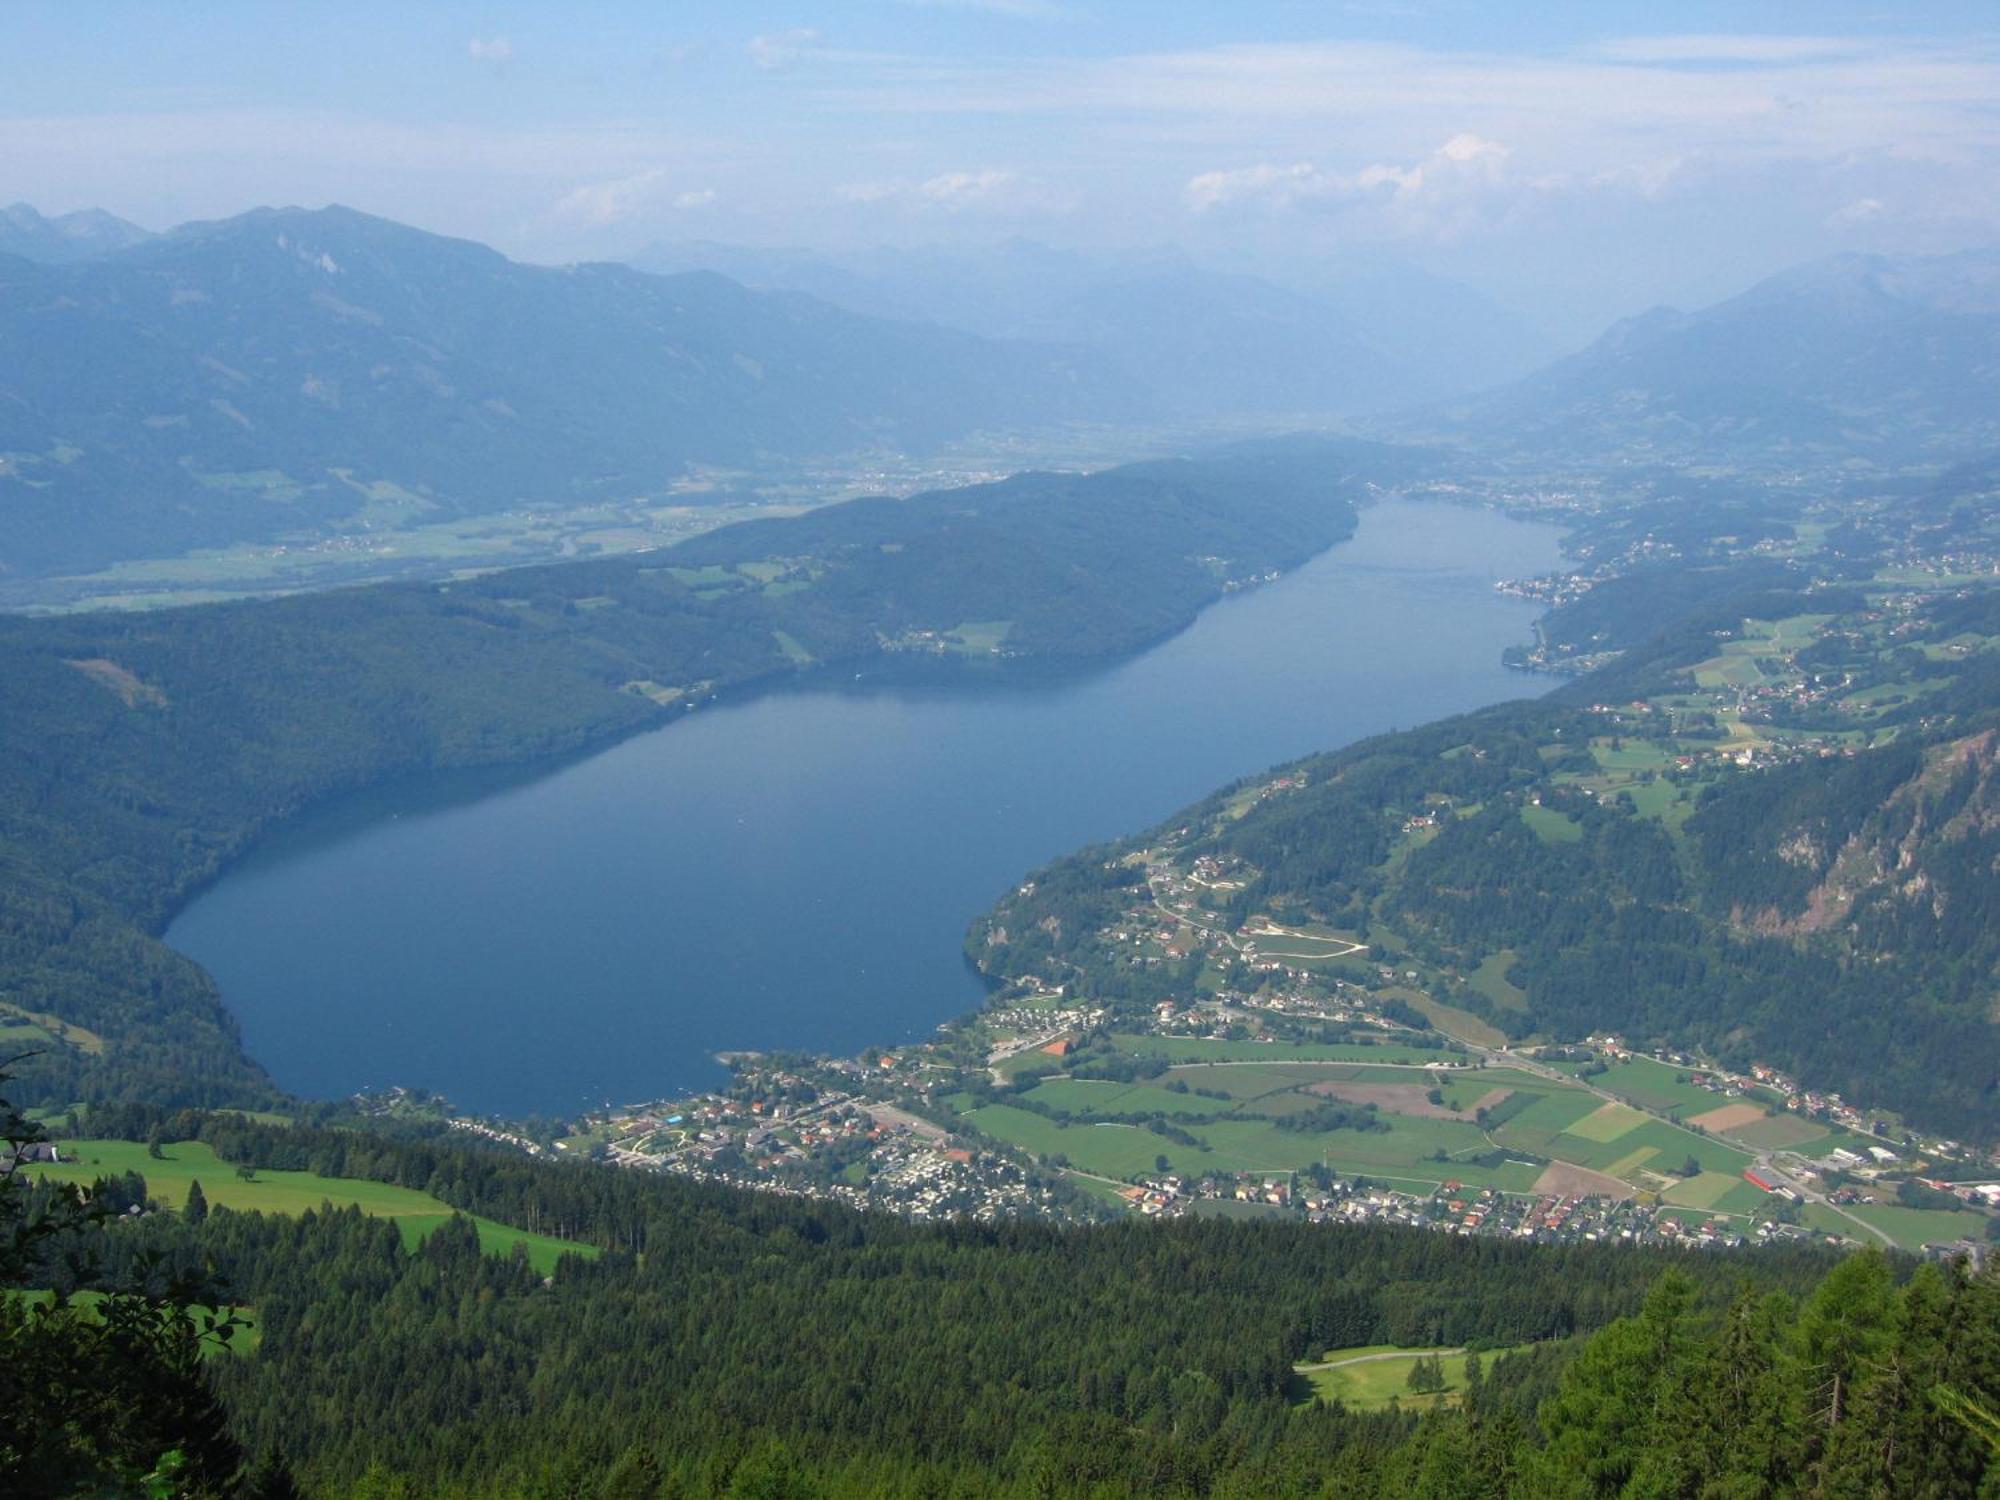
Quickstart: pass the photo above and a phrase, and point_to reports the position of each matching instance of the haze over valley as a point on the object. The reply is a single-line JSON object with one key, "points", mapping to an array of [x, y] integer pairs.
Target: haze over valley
{"points": [[1013, 747]]}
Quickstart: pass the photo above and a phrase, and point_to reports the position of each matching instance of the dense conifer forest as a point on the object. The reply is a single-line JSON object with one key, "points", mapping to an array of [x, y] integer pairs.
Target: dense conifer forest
{"points": [[731, 1344]]}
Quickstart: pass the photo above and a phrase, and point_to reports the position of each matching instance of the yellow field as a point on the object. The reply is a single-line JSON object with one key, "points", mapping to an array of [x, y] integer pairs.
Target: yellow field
{"points": [[1608, 1122]]}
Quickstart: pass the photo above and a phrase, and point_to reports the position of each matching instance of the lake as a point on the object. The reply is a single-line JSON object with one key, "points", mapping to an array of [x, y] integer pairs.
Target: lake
{"points": [[798, 868]]}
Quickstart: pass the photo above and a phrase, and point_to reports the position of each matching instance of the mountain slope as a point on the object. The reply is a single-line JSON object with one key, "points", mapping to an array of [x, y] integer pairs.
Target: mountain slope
{"points": [[1889, 358], [284, 371], [1832, 914]]}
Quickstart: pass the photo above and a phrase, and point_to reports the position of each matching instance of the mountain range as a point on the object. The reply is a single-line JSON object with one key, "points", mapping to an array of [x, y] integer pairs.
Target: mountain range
{"points": [[291, 374], [1895, 359], [1207, 343], [283, 372], [67, 237]]}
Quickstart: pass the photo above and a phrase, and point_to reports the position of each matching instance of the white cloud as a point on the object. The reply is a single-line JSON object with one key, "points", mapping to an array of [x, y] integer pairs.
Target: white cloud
{"points": [[1457, 185], [1860, 211], [598, 204], [1027, 10], [1263, 183], [989, 190], [1713, 49], [780, 49], [494, 50]]}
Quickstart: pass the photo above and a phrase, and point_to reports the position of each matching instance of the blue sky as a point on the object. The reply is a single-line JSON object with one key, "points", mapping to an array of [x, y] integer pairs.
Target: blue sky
{"points": [[1578, 160]]}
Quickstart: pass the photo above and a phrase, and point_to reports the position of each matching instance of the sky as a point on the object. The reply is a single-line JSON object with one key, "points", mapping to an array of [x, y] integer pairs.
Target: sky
{"points": [[1576, 161]]}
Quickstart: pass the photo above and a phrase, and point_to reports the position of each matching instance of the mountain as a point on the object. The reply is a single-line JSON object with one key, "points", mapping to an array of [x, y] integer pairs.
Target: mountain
{"points": [[1210, 343], [289, 372], [1889, 358], [1829, 913], [67, 237]]}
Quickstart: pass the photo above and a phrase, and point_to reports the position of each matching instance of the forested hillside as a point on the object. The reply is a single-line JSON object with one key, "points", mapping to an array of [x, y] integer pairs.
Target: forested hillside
{"points": [[731, 1344], [138, 753], [1807, 882]]}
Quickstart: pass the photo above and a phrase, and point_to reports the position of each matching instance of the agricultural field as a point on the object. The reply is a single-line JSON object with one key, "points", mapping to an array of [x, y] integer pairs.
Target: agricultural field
{"points": [[183, 1163], [1717, 1192], [1913, 1228], [1657, 1086], [1190, 1049], [1234, 1124], [1442, 1120]]}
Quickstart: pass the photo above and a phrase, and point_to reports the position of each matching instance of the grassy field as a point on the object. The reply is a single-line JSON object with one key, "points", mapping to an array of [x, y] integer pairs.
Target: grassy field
{"points": [[979, 637], [1607, 1123], [169, 1176], [1912, 1228], [1453, 1021], [1779, 1131], [243, 1341], [1490, 979], [1720, 1192], [1406, 1153], [1656, 1086], [1552, 827], [1381, 1374], [1204, 1049]]}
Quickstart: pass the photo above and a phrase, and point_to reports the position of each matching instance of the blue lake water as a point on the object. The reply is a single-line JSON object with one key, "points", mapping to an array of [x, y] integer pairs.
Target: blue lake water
{"points": [[797, 869]]}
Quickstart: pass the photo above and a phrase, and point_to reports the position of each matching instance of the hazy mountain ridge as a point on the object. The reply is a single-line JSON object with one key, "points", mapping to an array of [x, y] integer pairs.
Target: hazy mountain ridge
{"points": [[1210, 342], [1887, 358], [286, 370], [26, 232]]}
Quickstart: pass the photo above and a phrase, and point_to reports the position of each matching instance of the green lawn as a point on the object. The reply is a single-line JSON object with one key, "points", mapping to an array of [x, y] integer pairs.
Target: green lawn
{"points": [[185, 1162]]}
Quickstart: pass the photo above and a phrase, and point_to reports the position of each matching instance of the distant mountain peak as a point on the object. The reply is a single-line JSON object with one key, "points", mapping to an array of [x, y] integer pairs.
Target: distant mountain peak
{"points": [[1891, 358], [25, 231]]}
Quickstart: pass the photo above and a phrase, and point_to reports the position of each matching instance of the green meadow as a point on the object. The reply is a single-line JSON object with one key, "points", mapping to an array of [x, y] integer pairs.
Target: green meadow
{"points": [[1372, 1377], [184, 1163]]}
